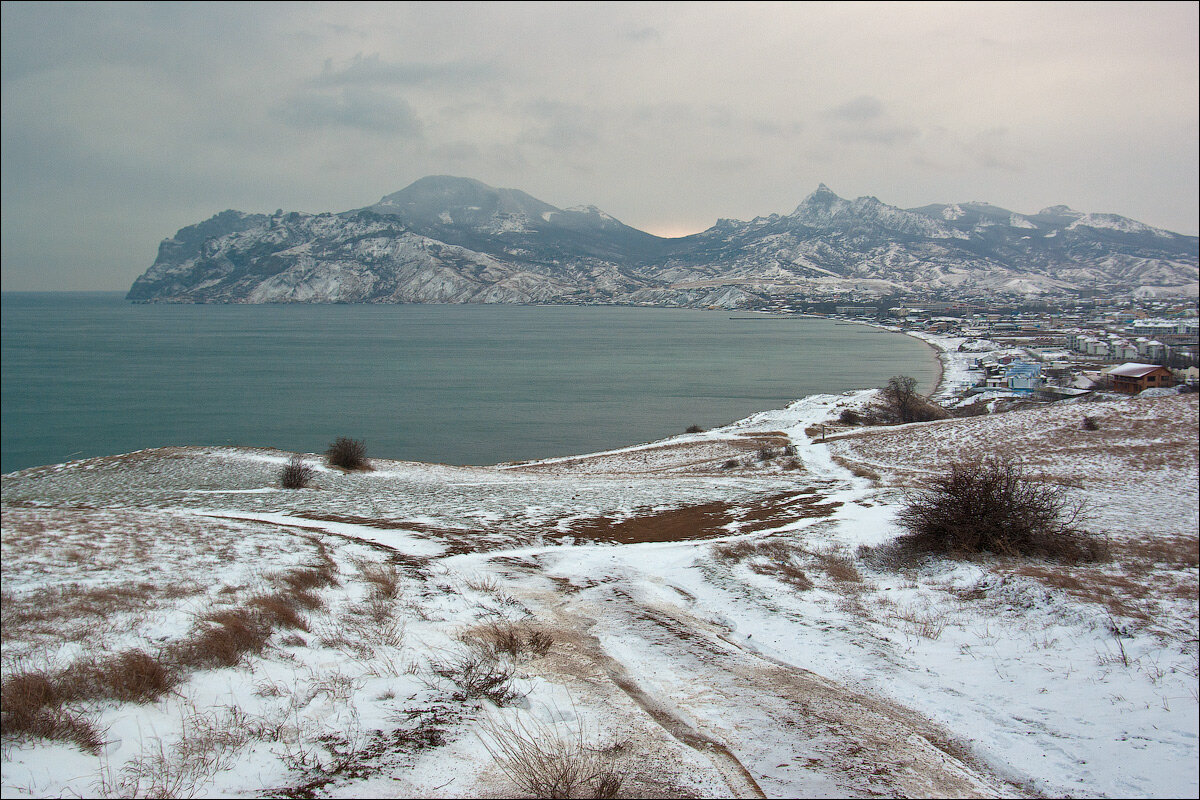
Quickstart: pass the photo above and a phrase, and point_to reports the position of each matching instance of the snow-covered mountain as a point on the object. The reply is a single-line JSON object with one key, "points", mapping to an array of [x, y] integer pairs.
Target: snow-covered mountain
{"points": [[456, 240]]}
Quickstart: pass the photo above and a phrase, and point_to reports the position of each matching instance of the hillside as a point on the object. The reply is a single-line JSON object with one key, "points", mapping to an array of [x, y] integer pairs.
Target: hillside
{"points": [[456, 240], [710, 614]]}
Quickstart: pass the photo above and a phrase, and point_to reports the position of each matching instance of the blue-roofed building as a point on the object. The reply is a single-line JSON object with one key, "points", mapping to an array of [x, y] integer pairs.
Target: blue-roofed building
{"points": [[1022, 376]]}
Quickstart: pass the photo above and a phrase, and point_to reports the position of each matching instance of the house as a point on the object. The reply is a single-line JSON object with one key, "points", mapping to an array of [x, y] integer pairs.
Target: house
{"points": [[1133, 378], [1023, 377]]}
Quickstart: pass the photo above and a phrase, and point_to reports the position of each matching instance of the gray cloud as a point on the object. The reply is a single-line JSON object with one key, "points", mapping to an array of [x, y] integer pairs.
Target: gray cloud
{"points": [[361, 109], [863, 108], [372, 70], [132, 120]]}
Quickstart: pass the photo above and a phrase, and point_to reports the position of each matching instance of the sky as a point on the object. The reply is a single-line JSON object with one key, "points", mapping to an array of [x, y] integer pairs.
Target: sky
{"points": [[123, 123]]}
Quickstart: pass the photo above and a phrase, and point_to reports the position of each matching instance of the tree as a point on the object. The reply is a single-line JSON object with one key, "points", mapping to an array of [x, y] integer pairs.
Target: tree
{"points": [[900, 402]]}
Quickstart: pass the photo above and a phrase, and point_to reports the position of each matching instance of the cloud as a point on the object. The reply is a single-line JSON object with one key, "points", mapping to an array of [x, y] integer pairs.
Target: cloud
{"points": [[360, 109], [371, 70], [886, 135], [863, 108]]}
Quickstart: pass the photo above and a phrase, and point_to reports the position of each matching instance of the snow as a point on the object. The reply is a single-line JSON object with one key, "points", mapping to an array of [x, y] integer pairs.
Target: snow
{"points": [[709, 671]]}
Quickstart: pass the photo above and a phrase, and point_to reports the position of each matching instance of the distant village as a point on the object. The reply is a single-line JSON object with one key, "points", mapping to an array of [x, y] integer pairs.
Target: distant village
{"points": [[1053, 351]]}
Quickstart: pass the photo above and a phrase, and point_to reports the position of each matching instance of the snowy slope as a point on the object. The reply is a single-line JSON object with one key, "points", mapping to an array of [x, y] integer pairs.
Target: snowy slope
{"points": [[715, 629]]}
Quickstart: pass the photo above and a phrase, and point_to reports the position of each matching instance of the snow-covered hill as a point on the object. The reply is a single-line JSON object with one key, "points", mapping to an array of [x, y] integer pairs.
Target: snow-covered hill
{"points": [[701, 616], [456, 240]]}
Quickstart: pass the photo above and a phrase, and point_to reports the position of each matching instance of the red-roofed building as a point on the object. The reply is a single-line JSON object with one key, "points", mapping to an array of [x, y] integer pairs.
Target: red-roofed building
{"points": [[1134, 378]]}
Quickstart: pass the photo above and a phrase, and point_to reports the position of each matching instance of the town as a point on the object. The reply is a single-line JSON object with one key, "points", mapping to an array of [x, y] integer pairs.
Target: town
{"points": [[1040, 350]]}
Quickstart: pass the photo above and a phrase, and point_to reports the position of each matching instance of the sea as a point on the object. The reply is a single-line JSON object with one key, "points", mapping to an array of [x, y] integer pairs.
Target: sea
{"points": [[90, 374]]}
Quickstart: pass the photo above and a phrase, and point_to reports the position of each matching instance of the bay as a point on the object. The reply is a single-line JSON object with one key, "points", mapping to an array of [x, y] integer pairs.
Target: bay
{"points": [[88, 374]]}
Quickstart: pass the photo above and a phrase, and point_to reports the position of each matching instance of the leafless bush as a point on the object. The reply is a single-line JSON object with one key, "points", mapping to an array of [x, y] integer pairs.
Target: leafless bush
{"points": [[1090, 424], [347, 454], [990, 506], [546, 761], [478, 675], [766, 453], [694, 429], [850, 417], [296, 474], [899, 402], [731, 463]]}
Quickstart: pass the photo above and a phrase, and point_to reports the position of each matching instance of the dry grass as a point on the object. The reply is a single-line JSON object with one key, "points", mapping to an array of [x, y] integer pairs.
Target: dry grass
{"points": [[500, 636], [39, 703], [773, 557], [281, 610], [223, 639], [384, 579], [928, 623], [548, 761], [839, 565], [34, 706]]}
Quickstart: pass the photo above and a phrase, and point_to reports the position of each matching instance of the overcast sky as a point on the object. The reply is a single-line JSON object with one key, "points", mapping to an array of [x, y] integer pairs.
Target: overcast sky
{"points": [[124, 123]]}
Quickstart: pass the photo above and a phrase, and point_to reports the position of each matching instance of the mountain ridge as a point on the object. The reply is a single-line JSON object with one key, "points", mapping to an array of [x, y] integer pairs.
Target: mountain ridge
{"points": [[445, 239]]}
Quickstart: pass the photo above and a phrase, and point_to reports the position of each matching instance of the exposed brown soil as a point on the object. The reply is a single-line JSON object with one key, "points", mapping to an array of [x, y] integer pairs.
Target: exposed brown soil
{"points": [[704, 521]]}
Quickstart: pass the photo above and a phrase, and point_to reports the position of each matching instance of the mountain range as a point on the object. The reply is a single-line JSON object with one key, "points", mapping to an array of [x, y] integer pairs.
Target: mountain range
{"points": [[457, 240]]}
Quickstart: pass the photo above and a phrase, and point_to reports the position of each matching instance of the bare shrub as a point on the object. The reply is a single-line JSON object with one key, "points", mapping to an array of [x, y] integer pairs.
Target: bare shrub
{"points": [[731, 463], [694, 429], [478, 674], [990, 506], [347, 454], [899, 402], [1090, 424], [547, 761], [766, 453], [850, 417], [296, 474]]}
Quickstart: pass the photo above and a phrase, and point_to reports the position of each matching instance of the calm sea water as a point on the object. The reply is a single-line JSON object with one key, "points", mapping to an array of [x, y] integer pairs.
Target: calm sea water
{"points": [[88, 374]]}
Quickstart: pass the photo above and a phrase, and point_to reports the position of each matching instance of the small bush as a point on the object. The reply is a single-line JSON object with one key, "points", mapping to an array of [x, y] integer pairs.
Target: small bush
{"points": [[694, 429], [850, 417], [296, 474], [479, 675], [766, 453], [347, 454], [990, 506], [730, 464], [1090, 424]]}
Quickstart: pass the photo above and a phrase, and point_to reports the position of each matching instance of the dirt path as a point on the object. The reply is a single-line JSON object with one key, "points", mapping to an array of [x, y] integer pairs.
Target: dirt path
{"points": [[768, 729]]}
